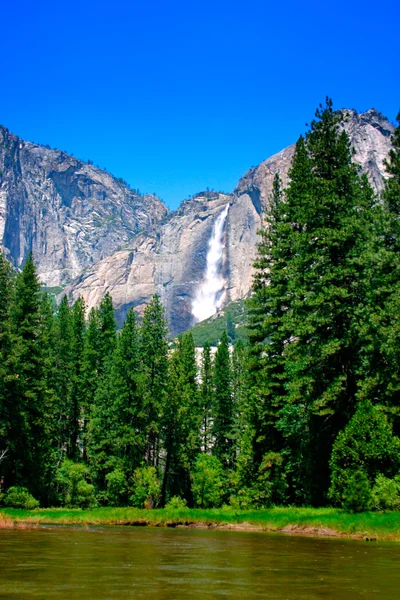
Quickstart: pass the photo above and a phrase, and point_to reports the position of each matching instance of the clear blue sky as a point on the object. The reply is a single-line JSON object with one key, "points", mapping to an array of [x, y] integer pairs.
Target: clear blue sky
{"points": [[177, 96]]}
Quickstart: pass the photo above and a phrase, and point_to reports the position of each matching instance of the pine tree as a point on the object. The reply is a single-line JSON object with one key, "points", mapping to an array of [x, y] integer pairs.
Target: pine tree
{"points": [[378, 316], [153, 352], [29, 401], [6, 284], [181, 421], [310, 356], [267, 334], [116, 438], [223, 411], [107, 330], [77, 401], [206, 397], [63, 375]]}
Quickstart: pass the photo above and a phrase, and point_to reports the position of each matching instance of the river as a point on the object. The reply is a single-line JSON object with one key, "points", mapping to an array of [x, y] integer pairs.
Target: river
{"points": [[160, 564]]}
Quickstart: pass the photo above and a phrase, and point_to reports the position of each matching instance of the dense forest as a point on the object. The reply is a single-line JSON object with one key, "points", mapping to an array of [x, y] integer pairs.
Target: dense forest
{"points": [[306, 413]]}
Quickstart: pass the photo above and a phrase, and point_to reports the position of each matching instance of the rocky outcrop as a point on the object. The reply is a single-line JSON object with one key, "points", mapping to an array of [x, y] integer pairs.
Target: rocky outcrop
{"points": [[169, 262], [172, 261], [75, 217], [68, 213]]}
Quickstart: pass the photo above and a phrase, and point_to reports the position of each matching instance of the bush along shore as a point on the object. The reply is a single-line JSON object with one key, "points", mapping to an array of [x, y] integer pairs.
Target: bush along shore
{"points": [[329, 522]]}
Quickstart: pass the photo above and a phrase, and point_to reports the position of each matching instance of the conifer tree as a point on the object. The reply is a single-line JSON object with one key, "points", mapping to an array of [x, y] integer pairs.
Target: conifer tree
{"points": [[181, 421], [116, 440], [6, 282], [63, 374], [91, 362], [153, 352], [319, 234], [378, 315], [267, 334], [223, 411], [29, 401], [206, 397], [77, 401]]}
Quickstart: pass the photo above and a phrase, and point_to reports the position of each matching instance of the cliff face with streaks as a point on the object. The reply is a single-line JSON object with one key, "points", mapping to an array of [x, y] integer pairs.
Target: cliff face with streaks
{"points": [[86, 228], [68, 213]]}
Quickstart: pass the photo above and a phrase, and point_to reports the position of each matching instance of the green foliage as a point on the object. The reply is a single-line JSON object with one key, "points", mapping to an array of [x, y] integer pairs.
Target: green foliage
{"points": [[181, 421], [154, 368], [116, 487], [176, 502], [74, 489], [207, 481], [304, 353], [223, 409], [365, 449], [270, 486], [146, 488], [386, 493], [232, 317], [19, 497], [206, 393]]}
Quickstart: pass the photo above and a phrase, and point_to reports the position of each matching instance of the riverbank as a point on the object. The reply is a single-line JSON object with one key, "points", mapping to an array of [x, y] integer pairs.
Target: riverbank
{"points": [[299, 521]]}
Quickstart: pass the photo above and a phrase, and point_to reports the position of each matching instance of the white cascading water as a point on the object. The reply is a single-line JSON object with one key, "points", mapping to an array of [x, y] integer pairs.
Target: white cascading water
{"points": [[210, 295]]}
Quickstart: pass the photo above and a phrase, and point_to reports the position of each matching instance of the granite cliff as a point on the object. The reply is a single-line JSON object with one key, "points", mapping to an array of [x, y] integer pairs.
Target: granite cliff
{"points": [[68, 213], [85, 227]]}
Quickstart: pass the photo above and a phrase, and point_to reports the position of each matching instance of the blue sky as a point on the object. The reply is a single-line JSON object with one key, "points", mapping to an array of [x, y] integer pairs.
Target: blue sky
{"points": [[179, 96]]}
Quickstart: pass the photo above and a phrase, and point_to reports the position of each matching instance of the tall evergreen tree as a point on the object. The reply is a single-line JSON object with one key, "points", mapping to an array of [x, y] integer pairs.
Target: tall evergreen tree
{"points": [[181, 421], [116, 437], [29, 401], [153, 352], [77, 401], [63, 375], [321, 223], [378, 324], [223, 411], [206, 397], [6, 282]]}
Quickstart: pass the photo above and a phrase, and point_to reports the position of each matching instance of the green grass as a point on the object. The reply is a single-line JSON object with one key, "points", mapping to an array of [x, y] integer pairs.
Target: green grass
{"points": [[301, 520]]}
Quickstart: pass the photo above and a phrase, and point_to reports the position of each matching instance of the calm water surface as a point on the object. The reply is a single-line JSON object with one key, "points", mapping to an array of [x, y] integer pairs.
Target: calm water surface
{"points": [[167, 564]]}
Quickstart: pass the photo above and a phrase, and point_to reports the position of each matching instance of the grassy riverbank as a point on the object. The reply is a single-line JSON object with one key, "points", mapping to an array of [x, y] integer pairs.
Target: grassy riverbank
{"points": [[311, 521]]}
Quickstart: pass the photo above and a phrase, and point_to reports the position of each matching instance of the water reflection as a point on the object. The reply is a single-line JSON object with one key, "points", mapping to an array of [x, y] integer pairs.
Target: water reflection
{"points": [[173, 564]]}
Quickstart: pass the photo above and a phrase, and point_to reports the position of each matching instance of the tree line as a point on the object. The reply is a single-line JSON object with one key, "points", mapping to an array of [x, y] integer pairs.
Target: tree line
{"points": [[307, 413], [92, 416]]}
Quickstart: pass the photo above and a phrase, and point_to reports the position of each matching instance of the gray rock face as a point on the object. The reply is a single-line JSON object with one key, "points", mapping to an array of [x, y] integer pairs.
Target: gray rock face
{"points": [[68, 213], [169, 262], [73, 215]]}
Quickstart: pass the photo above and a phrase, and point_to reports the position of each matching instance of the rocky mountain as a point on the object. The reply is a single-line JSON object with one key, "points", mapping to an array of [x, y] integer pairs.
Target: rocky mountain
{"points": [[173, 260], [68, 213], [84, 226]]}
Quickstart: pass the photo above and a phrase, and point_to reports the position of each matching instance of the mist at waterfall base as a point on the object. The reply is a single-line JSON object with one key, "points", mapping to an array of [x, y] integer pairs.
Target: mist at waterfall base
{"points": [[211, 293]]}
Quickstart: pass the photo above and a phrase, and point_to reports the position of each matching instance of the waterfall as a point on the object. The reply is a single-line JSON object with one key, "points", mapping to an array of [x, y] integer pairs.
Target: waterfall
{"points": [[211, 294]]}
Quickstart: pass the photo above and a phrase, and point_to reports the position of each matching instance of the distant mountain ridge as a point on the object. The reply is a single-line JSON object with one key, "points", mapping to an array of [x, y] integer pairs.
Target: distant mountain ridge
{"points": [[91, 232]]}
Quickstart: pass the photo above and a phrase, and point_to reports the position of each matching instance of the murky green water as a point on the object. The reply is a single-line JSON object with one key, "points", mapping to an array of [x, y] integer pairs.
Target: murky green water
{"points": [[173, 564]]}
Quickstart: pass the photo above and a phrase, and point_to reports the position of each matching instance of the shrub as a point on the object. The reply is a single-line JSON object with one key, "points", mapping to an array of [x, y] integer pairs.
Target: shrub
{"points": [[355, 490], [116, 487], [365, 449], [146, 488], [176, 502], [270, 486], [75, 491], [19, 497], [386, 493], [207, 481]]}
